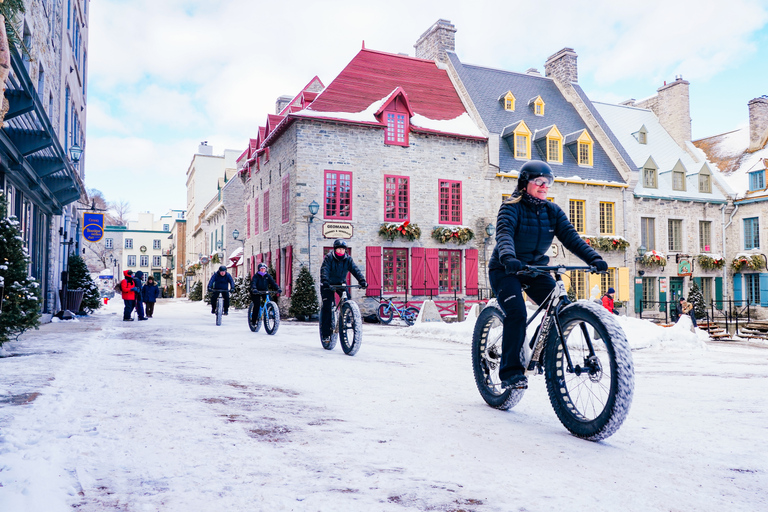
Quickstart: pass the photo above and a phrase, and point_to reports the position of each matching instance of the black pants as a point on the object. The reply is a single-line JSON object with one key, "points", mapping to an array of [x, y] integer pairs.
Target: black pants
{"points": [[215, 297], [128, 308], [328, 295], [509, 293], [150, 307], [256, 299]]}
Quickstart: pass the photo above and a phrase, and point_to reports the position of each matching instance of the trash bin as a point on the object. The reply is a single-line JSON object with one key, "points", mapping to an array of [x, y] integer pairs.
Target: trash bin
{"points": [[71, 301]]}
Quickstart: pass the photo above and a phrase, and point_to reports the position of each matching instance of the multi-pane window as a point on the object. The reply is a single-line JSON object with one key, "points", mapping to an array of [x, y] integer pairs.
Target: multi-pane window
{"points": [[132, 261], [538, 109], [706, 290], [286, 199], [248, 221], [450, 202], [579, 283], [338, 195], [642, 137], [108, 243], [396, 198], [751, 233], [576, 211], [584, 154], [648, 233], [757, 180], [752, 288], [143, 260], [166, 227], [156, 244], [266, 210], [608, 280], [256, 216], [705, 236], [129, 243], [705, 182], [553, 150], [396, 129], [649, 292], [395, 277], [649, 178], [156, 261], [607, 216], [675, 234], [449, 271], [521, 146], [678, 180]]}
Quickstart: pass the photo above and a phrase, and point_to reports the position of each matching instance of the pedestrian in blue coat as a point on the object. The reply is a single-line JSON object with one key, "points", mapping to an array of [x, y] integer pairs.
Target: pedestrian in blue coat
{"points": [[137, 280], [150, 292]]}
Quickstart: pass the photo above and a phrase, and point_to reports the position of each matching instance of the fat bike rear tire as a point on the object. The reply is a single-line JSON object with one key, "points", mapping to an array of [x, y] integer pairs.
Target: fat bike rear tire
{"points": [[593, 398], [410, 314], [253, 325], [350, 328], [271, 318], [486, 360], [331, 344]]}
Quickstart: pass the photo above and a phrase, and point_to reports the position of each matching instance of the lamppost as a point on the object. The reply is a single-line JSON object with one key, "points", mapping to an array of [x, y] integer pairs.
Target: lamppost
{"points": [[235, 235], [313, 209], [75, 152]]}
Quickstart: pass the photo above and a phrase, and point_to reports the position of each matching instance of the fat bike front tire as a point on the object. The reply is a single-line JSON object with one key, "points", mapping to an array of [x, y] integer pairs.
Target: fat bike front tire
{"points": [[591, 399], [486, 360], [219, 310], [350, 328], [410, 314], [271, 318]]}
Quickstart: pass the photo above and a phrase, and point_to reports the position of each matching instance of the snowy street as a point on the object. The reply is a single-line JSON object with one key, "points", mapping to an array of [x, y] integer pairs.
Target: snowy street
{"points": [[176, 414]]}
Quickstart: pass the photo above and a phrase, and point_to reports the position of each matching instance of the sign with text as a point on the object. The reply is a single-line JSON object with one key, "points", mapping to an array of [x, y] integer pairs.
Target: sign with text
{"points": [[337, 230], [93, 226], [684, 267]]}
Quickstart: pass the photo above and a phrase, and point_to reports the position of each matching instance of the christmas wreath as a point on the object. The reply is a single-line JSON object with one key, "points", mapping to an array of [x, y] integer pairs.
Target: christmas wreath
{"points": [[406, 230]]}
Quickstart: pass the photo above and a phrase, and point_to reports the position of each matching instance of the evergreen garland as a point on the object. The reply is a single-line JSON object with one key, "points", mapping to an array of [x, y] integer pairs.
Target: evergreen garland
{"points": [[304, 299], [80, 279], [21, 293]]}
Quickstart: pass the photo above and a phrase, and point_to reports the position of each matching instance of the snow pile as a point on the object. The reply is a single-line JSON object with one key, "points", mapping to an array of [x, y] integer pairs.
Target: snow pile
{"points": [[644, 334]]}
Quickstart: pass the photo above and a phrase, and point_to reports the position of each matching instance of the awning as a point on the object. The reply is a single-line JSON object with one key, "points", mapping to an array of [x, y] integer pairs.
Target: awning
{"points": [[236, 254]]}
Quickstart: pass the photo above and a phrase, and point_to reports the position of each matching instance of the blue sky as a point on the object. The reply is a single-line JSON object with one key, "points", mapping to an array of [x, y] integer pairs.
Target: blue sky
{"points": [[164, 76]]}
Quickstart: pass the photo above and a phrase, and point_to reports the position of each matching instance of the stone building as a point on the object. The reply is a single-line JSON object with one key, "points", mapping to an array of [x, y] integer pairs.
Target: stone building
{"points": [[386, 147], [141, 245]]}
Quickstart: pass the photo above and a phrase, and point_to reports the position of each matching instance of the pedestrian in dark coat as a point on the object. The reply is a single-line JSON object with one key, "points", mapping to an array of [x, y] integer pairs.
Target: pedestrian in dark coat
{"points": [[150, 292], [128, 289], [137, 279], [526, 225], [336, 265]]}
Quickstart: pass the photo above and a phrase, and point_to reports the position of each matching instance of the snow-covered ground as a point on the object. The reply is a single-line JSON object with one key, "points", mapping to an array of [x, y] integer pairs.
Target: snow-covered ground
{"points": [[176, 414]]}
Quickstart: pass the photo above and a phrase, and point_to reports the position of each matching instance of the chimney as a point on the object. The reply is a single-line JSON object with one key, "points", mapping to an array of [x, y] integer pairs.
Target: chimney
{"points": [[205, 149], [436, 41], [758, 123], [562, 66], [281, 103], [673, 108]]}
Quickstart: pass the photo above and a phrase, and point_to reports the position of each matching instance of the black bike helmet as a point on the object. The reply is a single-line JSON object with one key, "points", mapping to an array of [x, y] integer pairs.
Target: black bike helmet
{"points": [[339, 243], [531, 170], [222, 268]]}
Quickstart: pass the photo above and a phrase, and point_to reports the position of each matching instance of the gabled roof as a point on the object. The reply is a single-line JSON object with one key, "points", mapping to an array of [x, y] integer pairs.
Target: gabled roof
{"points": [[486, 86], [625, 121], [728, 151], [306, 96]]}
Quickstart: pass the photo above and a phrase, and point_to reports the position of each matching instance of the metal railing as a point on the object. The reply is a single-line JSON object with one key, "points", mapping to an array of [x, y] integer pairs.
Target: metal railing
{"points": [[446, 306]]}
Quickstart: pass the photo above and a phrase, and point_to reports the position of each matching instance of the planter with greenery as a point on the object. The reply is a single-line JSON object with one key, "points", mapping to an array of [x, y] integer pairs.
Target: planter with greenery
{"points": [[606, 243], [405, 230], [455, 234], [710, 261], [744, 261], [80, 279], [654, 259]]}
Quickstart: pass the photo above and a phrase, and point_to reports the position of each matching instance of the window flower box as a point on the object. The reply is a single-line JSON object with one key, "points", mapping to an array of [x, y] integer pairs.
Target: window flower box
{"points": [[405, 230], [710, 262], [606, 243], [455, 234], [744, 261], [654, 259]]}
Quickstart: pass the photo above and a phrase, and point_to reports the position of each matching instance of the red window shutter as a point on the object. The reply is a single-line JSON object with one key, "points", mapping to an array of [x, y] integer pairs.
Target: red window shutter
{"points": [[373, 270], [432, 272], [288, 288], [417, 271], [277, 267], [266, 211], [268, 259], [253, 265], [470, 270], [258, 258]]}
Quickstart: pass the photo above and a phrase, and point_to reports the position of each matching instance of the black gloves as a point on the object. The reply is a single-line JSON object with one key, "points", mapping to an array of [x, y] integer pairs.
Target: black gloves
{"points": [[279, 290], [325, 283], [363, 284], [512, 265], [600, 265]]}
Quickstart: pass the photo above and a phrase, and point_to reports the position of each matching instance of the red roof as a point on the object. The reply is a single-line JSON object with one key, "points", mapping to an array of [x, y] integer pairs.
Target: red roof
{"points": [[373, 75]]}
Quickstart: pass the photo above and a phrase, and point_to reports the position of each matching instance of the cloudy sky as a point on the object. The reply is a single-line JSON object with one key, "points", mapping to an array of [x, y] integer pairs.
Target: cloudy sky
{"points": [[164, 76]]}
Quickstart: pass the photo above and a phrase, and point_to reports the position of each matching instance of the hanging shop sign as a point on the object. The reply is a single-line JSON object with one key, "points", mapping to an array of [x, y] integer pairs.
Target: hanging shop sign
{"points": [[337, 230], [93, 226]]}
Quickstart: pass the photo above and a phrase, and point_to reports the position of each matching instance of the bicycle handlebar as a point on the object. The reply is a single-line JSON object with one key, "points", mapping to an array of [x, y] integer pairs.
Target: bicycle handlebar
{"points": [[560, 269], [344, 286]]}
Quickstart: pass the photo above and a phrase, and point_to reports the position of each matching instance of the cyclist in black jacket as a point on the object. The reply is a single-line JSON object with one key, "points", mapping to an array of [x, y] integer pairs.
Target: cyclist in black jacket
{"points": [[260, 282], [336, 265], [221, 283], [525, 228]]}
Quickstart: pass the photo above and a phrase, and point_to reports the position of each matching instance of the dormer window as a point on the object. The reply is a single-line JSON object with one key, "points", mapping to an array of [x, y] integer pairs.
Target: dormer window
{"points": [[395, 114], [757, 180], [397, 129], [705, 180], [554, 145], [509, 101], [522, 142], [678, 176], [537, 104], [650, 174], [642, 135]]}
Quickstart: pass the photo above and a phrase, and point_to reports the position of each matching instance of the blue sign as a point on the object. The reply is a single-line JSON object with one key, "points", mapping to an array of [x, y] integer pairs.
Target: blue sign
{"points": [[93, 226]]}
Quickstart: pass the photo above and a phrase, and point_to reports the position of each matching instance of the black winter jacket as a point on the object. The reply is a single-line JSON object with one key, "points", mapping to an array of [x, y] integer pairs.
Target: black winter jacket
{"points": [[150, 293], [221, 283], [334, 270], [525, 230], [261, 283]]}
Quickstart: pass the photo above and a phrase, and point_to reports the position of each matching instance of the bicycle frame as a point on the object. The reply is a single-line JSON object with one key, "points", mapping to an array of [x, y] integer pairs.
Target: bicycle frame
{"points": [[263, 306], [392, 306]]}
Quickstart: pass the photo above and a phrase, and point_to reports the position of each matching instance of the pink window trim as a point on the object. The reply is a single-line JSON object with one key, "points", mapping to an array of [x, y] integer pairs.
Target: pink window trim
{"points": [[397, 215], [449, 272], [337, 198], [286, 198], [266, 211], [449, 193], [256, 216], [397, 126], [399, 260]]}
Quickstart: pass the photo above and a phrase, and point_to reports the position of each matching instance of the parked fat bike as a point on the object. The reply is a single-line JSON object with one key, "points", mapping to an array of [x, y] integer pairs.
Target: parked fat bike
{"points": [[578, 346], [346, 322], [268, 311], [387, 309]]}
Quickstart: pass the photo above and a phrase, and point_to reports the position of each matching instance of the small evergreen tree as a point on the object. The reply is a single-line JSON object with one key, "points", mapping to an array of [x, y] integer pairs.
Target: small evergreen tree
{"points": [[240, 298], [696, 298], [304, 299], [21, 293], [196, 293], [80, 279], [572, 292]]}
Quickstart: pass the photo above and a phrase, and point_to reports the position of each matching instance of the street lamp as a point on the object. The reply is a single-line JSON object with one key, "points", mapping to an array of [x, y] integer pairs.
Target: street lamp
{"points": [[235, 235], [75, 152], [313, 209]]}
